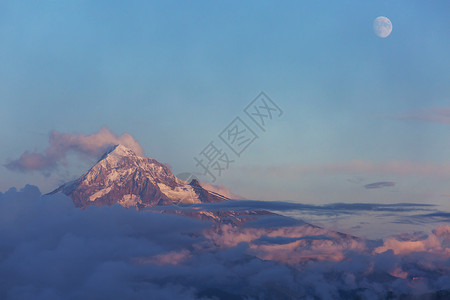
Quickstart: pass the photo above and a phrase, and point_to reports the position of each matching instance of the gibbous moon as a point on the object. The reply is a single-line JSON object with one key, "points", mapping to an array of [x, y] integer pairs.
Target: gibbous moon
{"points": [[382, 27]]}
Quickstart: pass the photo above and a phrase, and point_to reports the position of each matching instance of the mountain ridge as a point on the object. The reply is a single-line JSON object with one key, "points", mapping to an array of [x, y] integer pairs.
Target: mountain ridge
{"points": [[121, 176]]}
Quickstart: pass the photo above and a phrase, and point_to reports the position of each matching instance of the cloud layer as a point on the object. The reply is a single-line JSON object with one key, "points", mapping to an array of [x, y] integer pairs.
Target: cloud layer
{"points": [[60, 144], [51, 250]]}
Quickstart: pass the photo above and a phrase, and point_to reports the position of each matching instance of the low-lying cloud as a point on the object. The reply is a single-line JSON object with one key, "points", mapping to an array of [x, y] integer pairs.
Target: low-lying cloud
{"points": [[60, 144], [380, 184], [51, 250]]}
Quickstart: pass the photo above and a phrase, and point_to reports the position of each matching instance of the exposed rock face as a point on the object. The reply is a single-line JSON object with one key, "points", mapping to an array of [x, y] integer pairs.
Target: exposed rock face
{"points": [[205, 195], [123, 177]]}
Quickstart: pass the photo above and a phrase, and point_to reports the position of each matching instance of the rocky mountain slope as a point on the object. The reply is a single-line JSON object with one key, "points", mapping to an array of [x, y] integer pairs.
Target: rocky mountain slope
{"points": [[121, 176]]}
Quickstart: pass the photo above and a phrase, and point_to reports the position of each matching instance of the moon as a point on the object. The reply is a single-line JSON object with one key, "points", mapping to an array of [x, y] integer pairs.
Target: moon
{"points": [[382, 27]]}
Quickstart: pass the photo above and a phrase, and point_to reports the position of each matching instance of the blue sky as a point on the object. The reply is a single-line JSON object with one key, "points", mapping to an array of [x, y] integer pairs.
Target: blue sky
{"points": [[358, 109]]}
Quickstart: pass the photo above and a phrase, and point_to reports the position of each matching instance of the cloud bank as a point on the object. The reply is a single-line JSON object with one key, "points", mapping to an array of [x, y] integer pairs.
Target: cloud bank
{"points": [[51, 250], [60, 144]]}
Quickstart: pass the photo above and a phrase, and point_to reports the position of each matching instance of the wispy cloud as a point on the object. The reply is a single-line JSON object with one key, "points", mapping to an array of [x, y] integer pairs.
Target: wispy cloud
{"points": [[310, 208], [220, 189], [60, 144], [434, 114], [355, 167], [380, 184]]}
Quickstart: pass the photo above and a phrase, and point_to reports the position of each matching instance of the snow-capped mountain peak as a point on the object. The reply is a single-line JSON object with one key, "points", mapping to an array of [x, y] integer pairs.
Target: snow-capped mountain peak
{"points": [[121, 176], [118, 151]]}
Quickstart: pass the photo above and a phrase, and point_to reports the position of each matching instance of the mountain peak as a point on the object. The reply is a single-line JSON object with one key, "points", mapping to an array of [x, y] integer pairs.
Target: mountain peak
{"points": [[118, 151], [121, 176]]}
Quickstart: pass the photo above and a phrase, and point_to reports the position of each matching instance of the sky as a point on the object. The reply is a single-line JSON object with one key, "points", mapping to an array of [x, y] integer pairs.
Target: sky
{"points": [[364, 118]]}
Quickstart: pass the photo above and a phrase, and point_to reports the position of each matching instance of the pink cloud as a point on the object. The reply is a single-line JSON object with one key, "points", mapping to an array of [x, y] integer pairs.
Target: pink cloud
{"points": [[60, 144], [169, 258], [308, 243], [304, 243], [435, 243], [434, 114], [355, 167], [399, 273]]}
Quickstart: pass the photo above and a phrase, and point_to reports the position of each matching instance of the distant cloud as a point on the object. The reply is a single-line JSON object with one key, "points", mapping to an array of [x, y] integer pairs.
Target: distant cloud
{"points": [[434, 114], [380, 184], [60, 144], [237, 205], [409, 243], [438, 216], [118, 253], [354, 167]]}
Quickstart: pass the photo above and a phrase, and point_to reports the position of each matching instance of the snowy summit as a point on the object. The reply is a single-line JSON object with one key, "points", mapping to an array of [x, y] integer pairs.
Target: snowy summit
{"points": [[121, 176]]}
